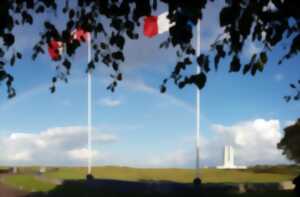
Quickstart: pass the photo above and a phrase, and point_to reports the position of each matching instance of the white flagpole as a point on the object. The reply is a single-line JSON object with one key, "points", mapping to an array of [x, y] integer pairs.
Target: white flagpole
{"points": [[89, 107], [198, 104]]}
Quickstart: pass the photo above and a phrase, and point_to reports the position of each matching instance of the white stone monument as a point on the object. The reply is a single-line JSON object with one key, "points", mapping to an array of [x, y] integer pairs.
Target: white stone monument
{"points": [[229, 159], [42, 170], [15, 170]]}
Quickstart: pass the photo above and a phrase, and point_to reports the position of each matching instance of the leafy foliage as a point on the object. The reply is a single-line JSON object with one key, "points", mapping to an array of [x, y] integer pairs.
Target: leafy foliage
{"points": [[296, 88], [242, 21], [290, 142]]}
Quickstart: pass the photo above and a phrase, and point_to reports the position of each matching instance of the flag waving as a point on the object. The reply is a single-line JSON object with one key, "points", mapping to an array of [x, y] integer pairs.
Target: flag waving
{"points": [[80, 35], [55, 49], [154, 25]]}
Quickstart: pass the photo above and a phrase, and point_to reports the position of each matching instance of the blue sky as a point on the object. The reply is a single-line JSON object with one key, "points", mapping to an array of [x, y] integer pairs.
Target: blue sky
{"points": [[136, 125]]}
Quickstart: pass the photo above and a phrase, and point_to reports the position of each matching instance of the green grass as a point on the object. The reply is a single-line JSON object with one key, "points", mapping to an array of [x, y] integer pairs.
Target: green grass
{"points": [[177, 175], [27, 183], [253, 175]]}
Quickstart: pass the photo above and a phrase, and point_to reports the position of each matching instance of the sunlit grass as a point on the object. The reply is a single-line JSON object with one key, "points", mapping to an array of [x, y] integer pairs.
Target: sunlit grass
{"points": [[177, 175], [27, 183]]}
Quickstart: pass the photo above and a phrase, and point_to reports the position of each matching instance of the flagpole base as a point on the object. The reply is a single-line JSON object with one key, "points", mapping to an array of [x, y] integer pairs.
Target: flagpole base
{"points": [[89, 177], [197, 182]]}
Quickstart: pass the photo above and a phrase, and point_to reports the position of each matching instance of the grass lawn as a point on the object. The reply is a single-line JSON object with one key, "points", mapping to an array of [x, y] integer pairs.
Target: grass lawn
{"points": [[179, 175], [27, 183]]}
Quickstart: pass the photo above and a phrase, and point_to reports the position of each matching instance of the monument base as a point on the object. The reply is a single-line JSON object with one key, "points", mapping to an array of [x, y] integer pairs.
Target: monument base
{"points": [[89, 177], [231, 167]]}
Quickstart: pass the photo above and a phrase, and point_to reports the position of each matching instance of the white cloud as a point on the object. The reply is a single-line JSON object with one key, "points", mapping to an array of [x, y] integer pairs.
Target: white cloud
{"points": [[54, 146], [81, 154], [176, 158], [21, 97], [109, 102], [255, 141], [67, 103], [250, 49], [23, 156], [138, 85], [278, 77], [183, 155], [141, 86], [253, 49]]}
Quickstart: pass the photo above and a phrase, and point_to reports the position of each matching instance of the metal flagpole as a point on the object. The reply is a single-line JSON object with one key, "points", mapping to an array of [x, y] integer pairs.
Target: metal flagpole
{"points": [[89, 107], [198, 104]]}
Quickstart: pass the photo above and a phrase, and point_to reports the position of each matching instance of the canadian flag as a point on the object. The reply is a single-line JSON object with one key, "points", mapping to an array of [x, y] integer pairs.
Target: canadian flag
{"points": [[80, 35], [154, 25], [55, 49]]}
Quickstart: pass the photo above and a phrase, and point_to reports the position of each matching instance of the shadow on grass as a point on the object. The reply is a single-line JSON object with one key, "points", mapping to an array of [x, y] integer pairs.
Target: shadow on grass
{"points": [[278, 169], [115, 188], [5, 171]]}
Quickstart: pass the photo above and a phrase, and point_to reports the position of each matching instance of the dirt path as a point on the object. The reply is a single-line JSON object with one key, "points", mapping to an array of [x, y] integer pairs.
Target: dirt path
{"points": [[6, 191]]}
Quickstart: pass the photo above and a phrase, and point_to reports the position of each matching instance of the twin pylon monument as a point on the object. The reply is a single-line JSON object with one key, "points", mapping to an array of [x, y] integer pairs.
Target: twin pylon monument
{"points": [[229, 159]]}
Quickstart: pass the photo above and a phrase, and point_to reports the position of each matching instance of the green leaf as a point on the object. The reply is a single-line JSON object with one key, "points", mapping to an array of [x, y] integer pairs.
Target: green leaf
{"points": [[67, 64], [200, 80], [118, 56], [52, 89], [120, 77], [9, 39], [246, 68], [163, 89], [3, 75], [228, 15], [13, 60], [264, 57], [115, 66], [19, 55], [235, 64], [54, 80], [260, 66]]}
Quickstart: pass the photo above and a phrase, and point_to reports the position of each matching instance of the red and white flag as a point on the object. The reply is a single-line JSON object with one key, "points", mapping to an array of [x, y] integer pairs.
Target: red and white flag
{"points": [[80, 35], [154, 25], [55, 49]]}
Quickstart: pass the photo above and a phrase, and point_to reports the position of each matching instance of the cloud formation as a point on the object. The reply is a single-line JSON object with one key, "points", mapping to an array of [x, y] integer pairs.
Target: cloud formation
{"points": [[278, 77], [141, 86], [178, 158], [54, 146], [109, 102], [255, 143]]}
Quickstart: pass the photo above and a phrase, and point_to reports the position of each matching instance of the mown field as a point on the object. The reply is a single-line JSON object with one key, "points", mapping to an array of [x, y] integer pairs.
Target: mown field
{"points": [[253, 175], [28, 183], [27, 180]]}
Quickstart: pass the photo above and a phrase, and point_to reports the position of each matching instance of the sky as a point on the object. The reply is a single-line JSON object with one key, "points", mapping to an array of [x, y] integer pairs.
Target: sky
{"points": [[137, 125]]}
